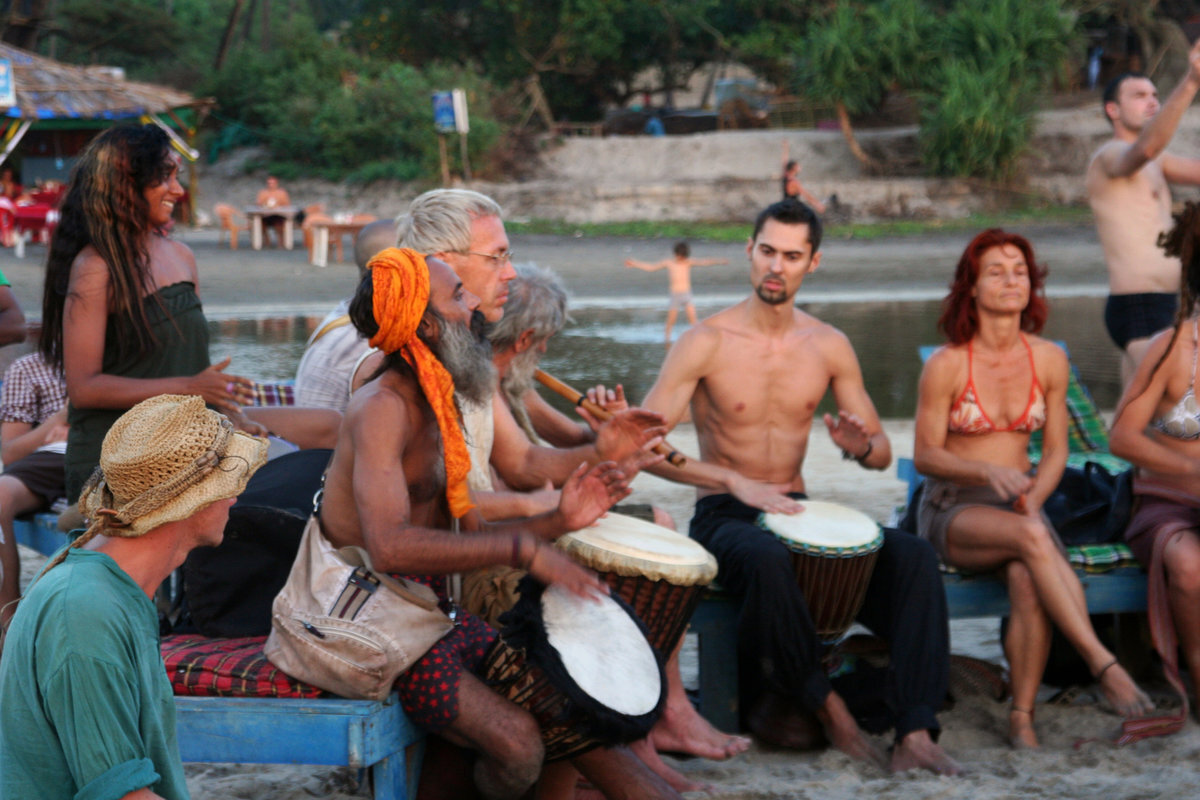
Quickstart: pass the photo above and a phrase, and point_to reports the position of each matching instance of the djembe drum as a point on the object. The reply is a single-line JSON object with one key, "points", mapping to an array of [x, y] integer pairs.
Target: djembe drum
{"points": [[660, 573], [833, 551], [584, 669]]}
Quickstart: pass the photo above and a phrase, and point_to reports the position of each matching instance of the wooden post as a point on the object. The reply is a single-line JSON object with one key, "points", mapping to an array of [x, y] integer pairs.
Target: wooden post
{"points": [[466, 162], [193, 180], [445, 159]]}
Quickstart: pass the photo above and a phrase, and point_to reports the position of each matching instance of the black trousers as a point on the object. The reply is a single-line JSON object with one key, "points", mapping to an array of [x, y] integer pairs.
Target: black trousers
{"points": [[778, 647]]}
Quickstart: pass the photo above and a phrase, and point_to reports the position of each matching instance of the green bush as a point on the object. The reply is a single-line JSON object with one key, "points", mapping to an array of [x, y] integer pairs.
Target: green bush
{"points": [[978, 123], [995, 57], [329, 112]]}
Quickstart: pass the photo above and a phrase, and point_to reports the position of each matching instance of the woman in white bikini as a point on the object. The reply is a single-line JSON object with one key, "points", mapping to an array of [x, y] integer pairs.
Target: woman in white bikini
{"points": [[981, 396], [1157, 427]]}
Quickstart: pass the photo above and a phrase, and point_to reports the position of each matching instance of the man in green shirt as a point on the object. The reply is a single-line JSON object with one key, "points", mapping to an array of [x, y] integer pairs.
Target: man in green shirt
{"points": [[86, 709], [12, 318]]}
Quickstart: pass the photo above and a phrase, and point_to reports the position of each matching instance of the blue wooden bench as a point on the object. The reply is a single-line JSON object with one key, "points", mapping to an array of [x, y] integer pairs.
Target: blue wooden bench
{"points": [[362, 734], [715, 625], [1117, 590]]}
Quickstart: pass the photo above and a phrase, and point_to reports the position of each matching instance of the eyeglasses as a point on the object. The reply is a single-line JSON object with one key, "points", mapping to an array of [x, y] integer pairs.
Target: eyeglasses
{"points": [[498, 258]]}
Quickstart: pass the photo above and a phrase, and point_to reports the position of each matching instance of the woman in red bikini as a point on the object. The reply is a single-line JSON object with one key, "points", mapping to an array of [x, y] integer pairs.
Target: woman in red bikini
{"points": [[981, 396]]}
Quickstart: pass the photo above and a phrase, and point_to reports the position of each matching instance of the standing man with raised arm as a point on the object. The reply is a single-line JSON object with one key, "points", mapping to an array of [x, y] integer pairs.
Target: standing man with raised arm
{"points": [[753, 375], [1128, 189]]}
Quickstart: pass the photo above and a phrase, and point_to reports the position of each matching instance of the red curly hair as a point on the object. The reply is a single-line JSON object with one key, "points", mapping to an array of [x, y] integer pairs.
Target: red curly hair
{"points": [[960, 319]]}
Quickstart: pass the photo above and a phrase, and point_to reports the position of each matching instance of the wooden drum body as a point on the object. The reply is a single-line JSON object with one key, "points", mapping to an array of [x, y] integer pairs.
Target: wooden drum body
{"points": [[583, 669], [661, 574], [834, 549]]}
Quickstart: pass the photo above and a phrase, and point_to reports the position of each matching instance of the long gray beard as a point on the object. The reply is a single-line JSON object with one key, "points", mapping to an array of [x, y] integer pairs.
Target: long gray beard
{"points": [[518, 379], [468, 360]]}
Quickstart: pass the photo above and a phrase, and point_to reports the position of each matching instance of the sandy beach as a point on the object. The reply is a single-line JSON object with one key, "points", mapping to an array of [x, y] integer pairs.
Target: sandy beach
{"points": [[259, 283]]}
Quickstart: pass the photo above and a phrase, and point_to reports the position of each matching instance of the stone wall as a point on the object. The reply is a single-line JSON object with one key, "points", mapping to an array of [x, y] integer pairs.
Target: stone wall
{"points": [[730, 175]]}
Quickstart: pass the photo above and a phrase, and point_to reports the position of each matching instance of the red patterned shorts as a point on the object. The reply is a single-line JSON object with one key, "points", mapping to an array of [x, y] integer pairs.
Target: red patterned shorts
{"points": [[429, 690]]}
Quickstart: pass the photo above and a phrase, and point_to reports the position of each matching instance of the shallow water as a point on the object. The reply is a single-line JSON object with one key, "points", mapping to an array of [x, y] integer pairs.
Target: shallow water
{"points": [[625, 345]]}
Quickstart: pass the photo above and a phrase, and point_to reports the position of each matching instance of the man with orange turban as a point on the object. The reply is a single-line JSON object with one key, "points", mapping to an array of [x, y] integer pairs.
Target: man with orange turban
{"points": [[397, 482]]}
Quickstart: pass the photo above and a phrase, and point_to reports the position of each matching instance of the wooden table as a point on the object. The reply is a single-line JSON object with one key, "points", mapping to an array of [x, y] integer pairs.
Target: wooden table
{"points": [[256, 214], [321, 233]]}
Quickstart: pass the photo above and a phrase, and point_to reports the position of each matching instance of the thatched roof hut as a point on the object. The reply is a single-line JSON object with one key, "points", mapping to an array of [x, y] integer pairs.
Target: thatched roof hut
{"points": [[49, 90], [59, 107]]}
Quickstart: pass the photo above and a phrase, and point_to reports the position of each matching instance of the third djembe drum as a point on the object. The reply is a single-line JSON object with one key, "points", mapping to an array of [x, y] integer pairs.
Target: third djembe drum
{"points": [[833, 550]]}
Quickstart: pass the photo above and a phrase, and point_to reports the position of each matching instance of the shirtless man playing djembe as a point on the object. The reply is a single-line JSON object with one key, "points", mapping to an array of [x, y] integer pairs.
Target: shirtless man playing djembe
{"points": [[753, 425], [398, 475]]}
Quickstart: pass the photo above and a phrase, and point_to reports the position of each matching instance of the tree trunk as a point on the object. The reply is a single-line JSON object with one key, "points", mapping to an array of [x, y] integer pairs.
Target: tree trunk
{"points": [[227, 38], [844, 122], [20, 27], [248, 28]]}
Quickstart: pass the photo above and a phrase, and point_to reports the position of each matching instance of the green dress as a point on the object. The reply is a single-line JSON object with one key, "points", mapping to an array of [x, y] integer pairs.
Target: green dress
{"points": [[181, 331]]}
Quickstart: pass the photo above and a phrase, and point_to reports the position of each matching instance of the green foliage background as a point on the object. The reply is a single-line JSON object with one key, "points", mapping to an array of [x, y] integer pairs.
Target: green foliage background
{"points": [[340, 88]]}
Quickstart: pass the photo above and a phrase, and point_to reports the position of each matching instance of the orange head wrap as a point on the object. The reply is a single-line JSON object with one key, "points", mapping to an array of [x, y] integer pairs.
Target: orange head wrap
{"points": [[400, 280]]}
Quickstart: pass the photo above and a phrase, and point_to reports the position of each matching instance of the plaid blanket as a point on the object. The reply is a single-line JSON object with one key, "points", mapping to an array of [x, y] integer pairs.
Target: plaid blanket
{"points": [[1094, 559], [207, 667], [1087, 435], [274, 394]]}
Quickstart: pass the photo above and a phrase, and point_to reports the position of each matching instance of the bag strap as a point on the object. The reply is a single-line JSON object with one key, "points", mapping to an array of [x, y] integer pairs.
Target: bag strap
{"points": [[358, 557], [456, 578], [332, 325]]}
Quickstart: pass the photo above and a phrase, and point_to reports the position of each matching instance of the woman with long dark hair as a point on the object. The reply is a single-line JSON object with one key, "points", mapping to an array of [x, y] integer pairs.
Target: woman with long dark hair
{"points": [[121, 313], [1157, 428], [981, 397]]}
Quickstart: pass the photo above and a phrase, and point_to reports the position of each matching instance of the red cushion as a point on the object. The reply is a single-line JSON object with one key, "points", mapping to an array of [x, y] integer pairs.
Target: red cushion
{"points": [[201, 666]]}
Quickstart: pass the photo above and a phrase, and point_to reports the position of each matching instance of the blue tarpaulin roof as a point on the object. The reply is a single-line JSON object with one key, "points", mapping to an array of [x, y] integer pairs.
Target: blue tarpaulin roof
{"points": [[50, 90]]}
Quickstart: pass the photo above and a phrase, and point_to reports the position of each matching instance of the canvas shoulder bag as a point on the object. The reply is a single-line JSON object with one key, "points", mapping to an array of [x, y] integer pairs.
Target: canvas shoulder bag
{"points": [[341, 625]]}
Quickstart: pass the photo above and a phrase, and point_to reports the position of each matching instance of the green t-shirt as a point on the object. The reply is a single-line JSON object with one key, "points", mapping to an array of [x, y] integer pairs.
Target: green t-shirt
{"points": [[88, 713], [4, 281]]}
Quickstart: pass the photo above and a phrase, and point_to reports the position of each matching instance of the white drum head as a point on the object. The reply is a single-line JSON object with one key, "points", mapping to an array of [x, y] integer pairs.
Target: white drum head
{"points": [[632, 547], [603, 651], [823, 526]]}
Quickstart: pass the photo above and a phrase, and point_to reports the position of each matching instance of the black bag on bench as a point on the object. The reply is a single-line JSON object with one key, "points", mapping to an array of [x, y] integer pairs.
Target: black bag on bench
{"points": [[1091, 505], [228, 589]]}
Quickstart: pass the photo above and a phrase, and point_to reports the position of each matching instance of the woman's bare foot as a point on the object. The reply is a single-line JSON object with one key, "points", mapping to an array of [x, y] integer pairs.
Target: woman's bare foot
{"points": [[1121, 692], [918, 750], [683, 730], [678, 781], [1021, 734]]}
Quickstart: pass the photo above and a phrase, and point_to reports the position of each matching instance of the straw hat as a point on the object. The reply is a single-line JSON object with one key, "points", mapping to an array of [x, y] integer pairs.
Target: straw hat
{"points": [[163, 460]]}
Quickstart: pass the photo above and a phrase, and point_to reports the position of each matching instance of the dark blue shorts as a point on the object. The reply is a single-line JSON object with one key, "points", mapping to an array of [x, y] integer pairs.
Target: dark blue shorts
{"points": [[1139, 316]]}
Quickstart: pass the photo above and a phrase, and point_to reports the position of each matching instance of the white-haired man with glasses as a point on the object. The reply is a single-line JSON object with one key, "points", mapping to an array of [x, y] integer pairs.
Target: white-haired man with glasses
{"points": [[464, 229]]}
